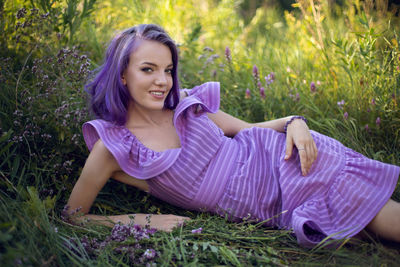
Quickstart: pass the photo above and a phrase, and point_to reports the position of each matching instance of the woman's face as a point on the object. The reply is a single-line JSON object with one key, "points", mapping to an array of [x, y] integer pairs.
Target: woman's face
{"points": [[149, 75]]}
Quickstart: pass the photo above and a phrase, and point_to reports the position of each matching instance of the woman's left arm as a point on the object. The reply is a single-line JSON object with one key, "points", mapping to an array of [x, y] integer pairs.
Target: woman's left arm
{"points": [[298, 134]]}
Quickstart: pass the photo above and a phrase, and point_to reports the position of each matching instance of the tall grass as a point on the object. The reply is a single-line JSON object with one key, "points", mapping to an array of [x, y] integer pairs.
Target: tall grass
{"points": [[338, 65]]}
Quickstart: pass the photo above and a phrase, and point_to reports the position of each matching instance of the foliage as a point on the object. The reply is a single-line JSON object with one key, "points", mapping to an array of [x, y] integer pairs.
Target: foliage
{"points": [[339, 65]]}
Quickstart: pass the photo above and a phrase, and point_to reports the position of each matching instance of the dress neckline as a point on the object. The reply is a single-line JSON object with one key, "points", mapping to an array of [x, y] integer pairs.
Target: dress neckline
{"points": [[176, 112]]}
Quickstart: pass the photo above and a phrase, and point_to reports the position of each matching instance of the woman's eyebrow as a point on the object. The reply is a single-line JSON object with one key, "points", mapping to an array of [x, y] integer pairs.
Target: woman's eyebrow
{"points": [[153, 64]]}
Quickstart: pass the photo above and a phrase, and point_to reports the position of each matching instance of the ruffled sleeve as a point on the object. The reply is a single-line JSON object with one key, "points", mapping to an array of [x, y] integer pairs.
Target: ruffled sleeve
{"points": [[132, 156], [208, 95]]}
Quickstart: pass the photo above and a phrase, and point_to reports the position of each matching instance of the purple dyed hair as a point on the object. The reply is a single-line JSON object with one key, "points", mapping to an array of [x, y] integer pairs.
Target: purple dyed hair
{"points": [[109, 96]]}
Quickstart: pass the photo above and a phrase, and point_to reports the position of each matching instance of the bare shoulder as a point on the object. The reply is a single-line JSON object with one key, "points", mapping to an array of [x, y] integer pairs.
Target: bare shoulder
{"points": [[103, 157]]}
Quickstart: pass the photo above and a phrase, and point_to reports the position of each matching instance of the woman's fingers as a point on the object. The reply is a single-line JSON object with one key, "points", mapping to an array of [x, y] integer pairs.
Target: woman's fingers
{"points": [[289, 147], [299, 135], [303, 161], [308, 154]]}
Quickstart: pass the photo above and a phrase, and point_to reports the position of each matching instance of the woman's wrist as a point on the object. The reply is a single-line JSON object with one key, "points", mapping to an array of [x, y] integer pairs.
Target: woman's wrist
{"points": [[293, 118]]}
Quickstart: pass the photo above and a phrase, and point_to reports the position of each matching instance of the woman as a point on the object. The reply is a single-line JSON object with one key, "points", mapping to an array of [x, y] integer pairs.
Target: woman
{"points": [[178, 146]]}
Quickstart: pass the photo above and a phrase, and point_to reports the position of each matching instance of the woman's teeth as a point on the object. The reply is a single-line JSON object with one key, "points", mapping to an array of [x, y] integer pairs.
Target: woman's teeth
{"points": [[157, 93]]}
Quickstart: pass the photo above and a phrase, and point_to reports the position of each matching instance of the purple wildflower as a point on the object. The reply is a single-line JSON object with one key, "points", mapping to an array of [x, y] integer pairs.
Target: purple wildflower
{"points": [[214, 73], [373, 101], [247, 96], [270, 78], [197, 231], [378, 121], [262, 92], [297, 97], [119, 233], [313, 88], [21, 13], [255, 71], [341, 103], [366, 127], [346, 115], [228, 55], [149, 254]]}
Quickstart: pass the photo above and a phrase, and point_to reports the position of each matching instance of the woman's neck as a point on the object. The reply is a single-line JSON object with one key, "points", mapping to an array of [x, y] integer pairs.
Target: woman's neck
{"points": [[140, 117]]}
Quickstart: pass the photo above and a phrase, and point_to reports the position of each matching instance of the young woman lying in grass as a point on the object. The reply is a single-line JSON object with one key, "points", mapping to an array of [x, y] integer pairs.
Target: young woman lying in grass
{"points": [[177, 145]]}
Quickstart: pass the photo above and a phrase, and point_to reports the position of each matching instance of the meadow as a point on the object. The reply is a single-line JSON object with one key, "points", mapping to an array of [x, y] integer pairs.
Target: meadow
{"points": [[335, 62]]}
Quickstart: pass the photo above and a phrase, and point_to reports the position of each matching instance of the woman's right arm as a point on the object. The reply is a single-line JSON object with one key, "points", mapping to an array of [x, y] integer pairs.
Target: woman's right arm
{"points": [[99, 167]]}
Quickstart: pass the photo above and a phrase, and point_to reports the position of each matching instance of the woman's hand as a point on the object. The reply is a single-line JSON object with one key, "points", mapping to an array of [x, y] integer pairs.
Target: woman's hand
{"points": [[298, 134], [165, 222], [162, 222]]}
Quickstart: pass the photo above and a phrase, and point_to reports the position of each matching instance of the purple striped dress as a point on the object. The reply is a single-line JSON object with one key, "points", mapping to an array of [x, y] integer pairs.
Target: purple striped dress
{"points": [[247, 177]]}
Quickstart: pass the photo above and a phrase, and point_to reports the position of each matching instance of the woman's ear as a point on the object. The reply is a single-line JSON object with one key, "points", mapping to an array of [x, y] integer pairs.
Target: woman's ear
{"points": [[123, 79]]}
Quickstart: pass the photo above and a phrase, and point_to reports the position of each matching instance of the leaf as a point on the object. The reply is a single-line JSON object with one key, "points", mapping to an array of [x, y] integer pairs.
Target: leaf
{"points": [[214, 249], [229, 256], [15, 166], [205, 245]]}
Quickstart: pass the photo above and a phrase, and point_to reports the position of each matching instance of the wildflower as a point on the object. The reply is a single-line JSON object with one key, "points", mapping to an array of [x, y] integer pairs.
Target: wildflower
{"points": [[21, 13], [366, 127], [64, 213], [313, 88], [288, 69], [262, 92], [149, 254], [297, 97], [378, 121], [259, 84], [346, 115], [341, 103], [368, 110], [197, 231], [45, 15], [209, 49], [210, 59], [247, 96], [255, 71], [373, 101], [270, 78], [214, 73], [228, 55]]}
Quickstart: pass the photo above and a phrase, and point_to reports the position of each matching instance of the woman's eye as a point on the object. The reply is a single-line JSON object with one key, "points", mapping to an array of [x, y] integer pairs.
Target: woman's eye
{"points": [[147, 69], [169, 71]]}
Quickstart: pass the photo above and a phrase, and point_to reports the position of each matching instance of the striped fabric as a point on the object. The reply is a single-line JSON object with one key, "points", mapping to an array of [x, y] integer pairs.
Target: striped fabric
{"points": [[247, 177]]}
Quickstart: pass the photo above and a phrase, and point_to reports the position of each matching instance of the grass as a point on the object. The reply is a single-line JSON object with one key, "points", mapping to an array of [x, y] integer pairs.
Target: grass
{"points": [[349, 52]]}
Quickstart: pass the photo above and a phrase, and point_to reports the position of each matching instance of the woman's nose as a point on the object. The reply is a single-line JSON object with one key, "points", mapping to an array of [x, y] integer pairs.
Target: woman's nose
{"points": [[161, 79]]}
